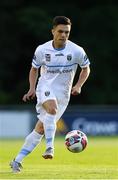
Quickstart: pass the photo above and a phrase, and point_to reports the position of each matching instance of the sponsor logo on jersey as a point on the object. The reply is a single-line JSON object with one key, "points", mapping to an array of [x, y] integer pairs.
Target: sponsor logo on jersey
{"points": [[48, 57], [69, 57], [47, 93], [59, 71]]}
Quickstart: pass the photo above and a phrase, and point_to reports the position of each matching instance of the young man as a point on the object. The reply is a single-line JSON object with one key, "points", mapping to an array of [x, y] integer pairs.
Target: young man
{"points": [[58, 60]]}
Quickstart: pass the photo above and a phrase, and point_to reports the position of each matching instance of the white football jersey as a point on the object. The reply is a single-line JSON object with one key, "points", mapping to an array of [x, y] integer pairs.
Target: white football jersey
{"points": [[58, 67]]}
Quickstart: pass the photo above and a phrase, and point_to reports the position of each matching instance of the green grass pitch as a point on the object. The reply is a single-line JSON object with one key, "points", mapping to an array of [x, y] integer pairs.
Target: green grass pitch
{"points": [[98, 161]]}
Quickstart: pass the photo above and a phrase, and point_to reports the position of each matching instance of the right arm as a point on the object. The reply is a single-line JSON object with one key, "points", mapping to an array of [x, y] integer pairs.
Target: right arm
{"points": [[33, 75]]}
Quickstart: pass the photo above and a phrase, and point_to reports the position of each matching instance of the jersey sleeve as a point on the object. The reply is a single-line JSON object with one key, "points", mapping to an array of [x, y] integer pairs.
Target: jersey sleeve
{"points": [[83, 59], [37, 58]]}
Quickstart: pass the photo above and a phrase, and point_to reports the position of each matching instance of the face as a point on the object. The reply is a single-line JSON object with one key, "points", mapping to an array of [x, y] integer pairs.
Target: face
{"points": [[60, 35]]}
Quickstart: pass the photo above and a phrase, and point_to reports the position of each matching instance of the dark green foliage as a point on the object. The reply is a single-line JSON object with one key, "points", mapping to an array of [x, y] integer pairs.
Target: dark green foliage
{"points": [[25, 25]]}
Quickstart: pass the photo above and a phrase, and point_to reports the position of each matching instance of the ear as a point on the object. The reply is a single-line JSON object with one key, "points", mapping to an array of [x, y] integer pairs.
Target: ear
{"points": [[52, 31]]}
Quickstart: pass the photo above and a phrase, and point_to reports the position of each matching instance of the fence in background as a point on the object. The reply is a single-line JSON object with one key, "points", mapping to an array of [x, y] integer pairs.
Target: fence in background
{"points": [[18, 121]]}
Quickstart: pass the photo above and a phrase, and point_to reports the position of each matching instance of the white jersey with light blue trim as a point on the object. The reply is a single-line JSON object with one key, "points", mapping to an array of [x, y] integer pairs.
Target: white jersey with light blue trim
{"points": [[58, 66]]}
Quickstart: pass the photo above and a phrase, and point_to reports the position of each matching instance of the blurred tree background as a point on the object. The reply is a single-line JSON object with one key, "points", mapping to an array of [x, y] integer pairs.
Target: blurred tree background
{"points": [[26, 24]]}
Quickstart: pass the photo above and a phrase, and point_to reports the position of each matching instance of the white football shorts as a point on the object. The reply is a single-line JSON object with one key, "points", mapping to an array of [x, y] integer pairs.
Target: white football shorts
{"points": [[43, 96]]}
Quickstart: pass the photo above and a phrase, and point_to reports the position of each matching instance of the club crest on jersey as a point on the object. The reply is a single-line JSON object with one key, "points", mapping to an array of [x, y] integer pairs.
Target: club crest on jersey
{"points": [[48, 57], [69, 57], [47, 93]]}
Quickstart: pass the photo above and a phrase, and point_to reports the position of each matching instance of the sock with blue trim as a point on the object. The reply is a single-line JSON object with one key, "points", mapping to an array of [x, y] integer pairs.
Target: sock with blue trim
{"points": [[49, 129], [31, 141]]}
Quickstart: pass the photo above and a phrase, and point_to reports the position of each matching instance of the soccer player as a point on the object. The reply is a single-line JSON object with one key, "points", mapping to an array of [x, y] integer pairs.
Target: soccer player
{"points": [[58, 60]]}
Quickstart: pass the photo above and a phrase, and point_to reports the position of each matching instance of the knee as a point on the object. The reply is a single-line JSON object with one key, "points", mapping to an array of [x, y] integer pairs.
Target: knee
{"points": [[50, 106], [52, 111], [39, 128]]}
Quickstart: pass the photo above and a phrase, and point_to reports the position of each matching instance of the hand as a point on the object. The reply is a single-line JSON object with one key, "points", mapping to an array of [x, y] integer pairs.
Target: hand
{"points": [[30, 95], [76, 90]]}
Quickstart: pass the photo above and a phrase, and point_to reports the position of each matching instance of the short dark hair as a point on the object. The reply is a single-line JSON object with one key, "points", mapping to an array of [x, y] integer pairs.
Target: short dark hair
{"points": [[61, 20]]}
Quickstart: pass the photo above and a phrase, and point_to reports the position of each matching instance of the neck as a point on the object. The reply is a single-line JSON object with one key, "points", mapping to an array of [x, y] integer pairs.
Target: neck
{"points": [[58, 46]]}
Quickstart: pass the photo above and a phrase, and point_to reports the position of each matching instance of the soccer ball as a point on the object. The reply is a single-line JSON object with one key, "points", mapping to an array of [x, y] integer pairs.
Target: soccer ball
{"points": [[76, 141]]}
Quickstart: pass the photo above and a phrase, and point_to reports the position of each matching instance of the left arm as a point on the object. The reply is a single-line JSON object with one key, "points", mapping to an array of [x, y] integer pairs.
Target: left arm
{"points": [[84, 74]]}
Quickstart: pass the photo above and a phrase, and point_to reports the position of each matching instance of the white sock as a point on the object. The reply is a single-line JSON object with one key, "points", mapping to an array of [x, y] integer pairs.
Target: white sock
{"points": [[31, 141], [49, 129]]}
